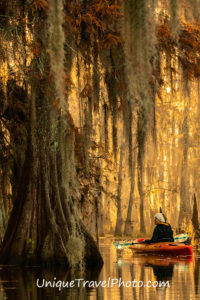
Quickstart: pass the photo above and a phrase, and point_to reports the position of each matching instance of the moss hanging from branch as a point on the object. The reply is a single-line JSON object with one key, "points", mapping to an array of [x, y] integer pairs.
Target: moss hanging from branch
{"points": [[87, 134], [95, 78], [140, 62], [56, 46], [44, 226], [128, 120], [110, 80], [196, 9], [174, 15]]}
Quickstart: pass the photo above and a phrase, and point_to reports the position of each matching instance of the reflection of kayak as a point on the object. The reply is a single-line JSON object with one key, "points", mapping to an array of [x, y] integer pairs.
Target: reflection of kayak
{"points": [[156, 260], [163, 248]]}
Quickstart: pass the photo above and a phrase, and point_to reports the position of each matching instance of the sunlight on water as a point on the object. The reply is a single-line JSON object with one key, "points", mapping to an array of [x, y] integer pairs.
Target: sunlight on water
{"points": [[182, 274]]}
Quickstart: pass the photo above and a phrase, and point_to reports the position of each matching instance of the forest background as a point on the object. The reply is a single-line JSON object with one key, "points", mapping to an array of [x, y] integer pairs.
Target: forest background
{"points": [[99, 122]]}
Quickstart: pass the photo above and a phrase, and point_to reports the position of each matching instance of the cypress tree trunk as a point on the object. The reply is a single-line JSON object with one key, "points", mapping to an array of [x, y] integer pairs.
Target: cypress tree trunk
{"points": [[118, 227], [195, 218], [2, 219], [128, 224], [141, 135], [184, 185], [44, 226]]}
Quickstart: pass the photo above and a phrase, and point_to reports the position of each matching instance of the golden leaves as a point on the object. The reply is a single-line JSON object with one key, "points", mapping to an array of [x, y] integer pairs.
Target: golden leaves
{"points": [[165, 38], [40, 5], [86, 92], [111, 39], [91, 19], [186, 47], [189, 50], [2, 52], [96, 16], [36, 49], [4, 73], [68, 83], [56, 103], [73, 24], [104, 8], [68, 80]]}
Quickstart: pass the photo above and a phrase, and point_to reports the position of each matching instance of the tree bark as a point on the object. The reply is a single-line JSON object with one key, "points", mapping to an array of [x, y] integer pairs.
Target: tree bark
{"points": [[128, 224], [184, 184], [118, 226], [44, 225], [141, 135], [44, 219]]}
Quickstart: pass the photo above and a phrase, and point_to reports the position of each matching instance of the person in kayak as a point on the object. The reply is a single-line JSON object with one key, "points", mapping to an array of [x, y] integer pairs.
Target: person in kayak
{"points": [[162, 232]]}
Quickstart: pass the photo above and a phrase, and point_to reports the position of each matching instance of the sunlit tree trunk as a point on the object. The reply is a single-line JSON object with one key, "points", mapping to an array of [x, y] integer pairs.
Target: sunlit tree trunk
{"points": [[141, 135], [118, 227], [174, 174], [128, 224], [184, 184]]}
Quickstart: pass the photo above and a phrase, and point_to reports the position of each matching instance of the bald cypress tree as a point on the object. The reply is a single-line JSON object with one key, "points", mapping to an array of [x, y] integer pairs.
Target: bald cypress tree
{"points": [[44, 225]]}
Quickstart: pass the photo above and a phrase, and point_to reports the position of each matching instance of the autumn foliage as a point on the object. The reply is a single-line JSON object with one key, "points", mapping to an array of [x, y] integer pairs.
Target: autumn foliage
{"points": [[185, 47]]}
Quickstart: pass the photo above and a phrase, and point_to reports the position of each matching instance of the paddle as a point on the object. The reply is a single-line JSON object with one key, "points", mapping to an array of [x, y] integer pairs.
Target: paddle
{"points": [[119, 246], [179, 237]]}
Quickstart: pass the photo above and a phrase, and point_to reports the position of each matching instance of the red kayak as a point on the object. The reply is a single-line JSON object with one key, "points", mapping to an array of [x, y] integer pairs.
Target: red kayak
{"points": [[172, 248]]}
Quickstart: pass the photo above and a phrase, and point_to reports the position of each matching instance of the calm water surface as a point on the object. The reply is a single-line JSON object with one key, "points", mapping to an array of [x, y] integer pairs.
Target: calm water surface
{"points": [[180, 274]]}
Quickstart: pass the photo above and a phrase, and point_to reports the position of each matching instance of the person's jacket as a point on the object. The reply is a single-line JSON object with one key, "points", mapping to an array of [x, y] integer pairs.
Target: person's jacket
{"points": [[162, 233]]}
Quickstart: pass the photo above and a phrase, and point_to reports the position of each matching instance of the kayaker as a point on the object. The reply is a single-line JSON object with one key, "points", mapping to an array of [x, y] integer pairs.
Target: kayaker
{"points": [[162, 232]]}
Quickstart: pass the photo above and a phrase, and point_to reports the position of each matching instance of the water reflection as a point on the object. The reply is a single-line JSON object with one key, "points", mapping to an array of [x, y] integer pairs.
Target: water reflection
{"points": [[159, 269], [182, 273]]}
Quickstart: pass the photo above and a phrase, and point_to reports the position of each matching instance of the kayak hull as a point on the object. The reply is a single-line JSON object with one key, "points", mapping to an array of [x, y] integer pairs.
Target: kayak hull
{"points": [[172, 248], [179, 238]]}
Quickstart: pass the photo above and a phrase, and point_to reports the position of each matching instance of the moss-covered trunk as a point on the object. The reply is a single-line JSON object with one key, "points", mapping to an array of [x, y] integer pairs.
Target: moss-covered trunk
{"points": [[44, 226]]}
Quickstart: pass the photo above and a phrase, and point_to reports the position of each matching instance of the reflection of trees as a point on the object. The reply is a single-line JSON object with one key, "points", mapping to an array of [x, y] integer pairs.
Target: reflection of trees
{"points": [[119, 275], [20, 284], [132, 279], [196, 275], [141, 290], [121, 287]]}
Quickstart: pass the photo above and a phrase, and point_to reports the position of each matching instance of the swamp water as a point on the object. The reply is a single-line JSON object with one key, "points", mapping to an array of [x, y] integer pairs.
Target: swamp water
{"points": [[123, 276]]}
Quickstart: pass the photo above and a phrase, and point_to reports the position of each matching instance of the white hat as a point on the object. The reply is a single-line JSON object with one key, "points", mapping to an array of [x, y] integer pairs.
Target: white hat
{"points": [[160, 217]]}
